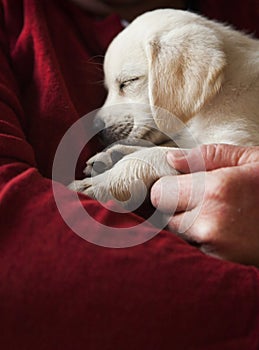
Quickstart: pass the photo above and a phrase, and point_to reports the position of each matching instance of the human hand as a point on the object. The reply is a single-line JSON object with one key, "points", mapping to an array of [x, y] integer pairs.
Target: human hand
{"points": [[218, 208]]}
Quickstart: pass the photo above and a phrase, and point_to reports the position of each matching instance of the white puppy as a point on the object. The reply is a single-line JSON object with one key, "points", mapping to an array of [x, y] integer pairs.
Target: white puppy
{"points": [[169, 69]]}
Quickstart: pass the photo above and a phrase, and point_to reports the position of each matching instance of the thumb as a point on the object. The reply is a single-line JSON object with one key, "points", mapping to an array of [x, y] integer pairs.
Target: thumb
{"points": [[212, 156]]}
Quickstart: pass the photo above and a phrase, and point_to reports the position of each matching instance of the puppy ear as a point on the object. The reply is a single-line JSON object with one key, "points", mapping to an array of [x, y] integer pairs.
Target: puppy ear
{"points": [[186, 71]]}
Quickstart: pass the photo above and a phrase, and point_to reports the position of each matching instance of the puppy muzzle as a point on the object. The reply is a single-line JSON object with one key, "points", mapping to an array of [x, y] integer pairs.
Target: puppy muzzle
{"points": [[111, 133]]}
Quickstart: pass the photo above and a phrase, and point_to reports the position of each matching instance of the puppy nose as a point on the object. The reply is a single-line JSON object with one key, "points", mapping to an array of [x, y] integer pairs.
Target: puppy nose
{"points": [[98, 124]]}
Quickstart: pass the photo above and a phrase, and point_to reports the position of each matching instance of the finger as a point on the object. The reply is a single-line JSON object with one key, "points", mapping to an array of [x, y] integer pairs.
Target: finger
{"points": [[190, 228], [184, 224], [210, 157], [186, 161], [198, 232], [172, 194]]}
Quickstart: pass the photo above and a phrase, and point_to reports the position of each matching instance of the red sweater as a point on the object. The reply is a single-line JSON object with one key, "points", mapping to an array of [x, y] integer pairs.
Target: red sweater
{"points": [[58, 291]]}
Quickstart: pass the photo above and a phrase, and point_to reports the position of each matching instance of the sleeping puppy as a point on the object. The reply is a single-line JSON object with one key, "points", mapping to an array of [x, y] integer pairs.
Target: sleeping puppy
{"points": [[171, 76]]}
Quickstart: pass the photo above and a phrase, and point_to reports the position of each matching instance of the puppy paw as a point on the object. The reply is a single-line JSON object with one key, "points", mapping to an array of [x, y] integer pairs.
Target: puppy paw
{"points": [[129, 180], [104, 161], [117, 184], [80, 185]]}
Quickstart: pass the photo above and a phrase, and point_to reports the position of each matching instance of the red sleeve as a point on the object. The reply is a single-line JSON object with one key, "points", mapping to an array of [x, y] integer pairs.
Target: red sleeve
{"points": [[57, 290]]}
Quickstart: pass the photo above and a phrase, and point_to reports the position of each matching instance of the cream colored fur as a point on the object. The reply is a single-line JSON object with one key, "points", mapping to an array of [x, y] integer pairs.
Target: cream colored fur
{"points": [[166, 70]]}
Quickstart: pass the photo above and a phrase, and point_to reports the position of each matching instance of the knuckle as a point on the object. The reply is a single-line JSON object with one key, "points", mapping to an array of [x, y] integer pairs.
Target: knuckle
{"points": [[210, 152], [216, 155], [204, 231]]}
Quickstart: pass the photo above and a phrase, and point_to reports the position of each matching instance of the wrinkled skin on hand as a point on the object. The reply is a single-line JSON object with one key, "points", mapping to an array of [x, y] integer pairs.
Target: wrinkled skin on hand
{"points": [[216, 207]]}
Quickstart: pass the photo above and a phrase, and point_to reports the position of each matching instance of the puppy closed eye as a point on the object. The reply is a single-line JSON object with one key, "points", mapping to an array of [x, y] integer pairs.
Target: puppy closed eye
{"points": [[126, 83]]}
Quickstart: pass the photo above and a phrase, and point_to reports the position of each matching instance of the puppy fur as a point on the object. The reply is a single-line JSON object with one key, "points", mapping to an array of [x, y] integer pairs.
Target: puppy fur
{"points": [[174, 78]]}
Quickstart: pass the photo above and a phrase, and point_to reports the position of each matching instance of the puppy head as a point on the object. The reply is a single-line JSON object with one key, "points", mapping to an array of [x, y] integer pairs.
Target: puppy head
{"points": [[165, 59], [126, 111]]}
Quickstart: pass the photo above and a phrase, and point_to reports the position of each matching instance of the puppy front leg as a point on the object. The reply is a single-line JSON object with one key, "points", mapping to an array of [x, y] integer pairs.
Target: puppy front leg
{"points": [[130, 179]]}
